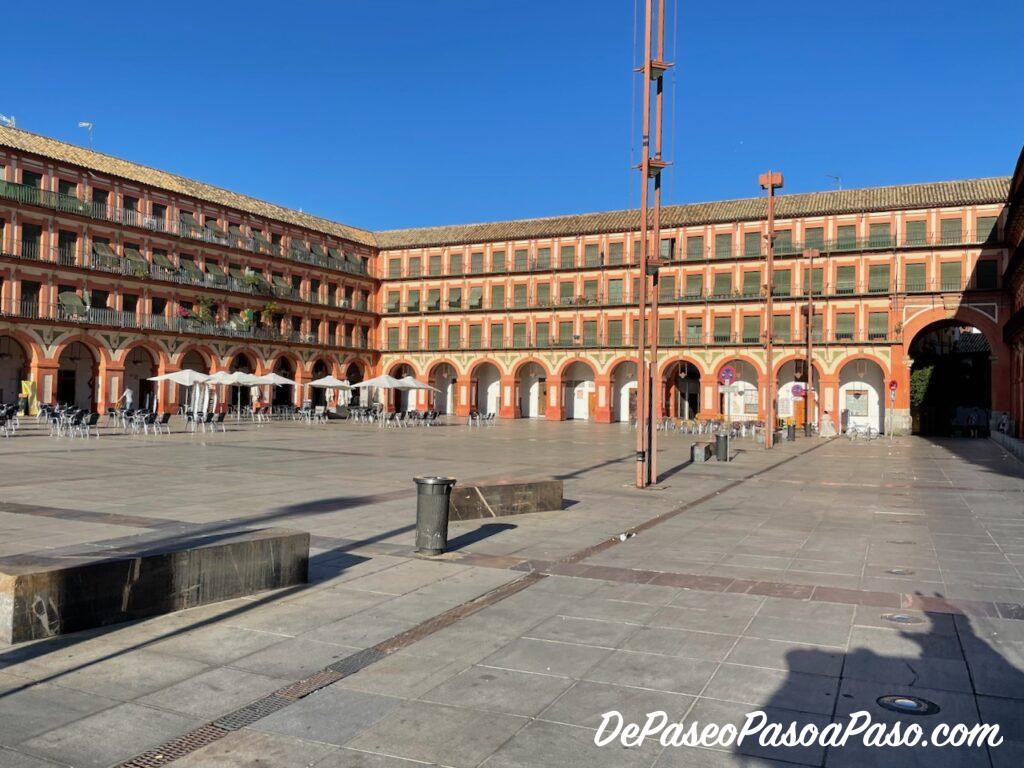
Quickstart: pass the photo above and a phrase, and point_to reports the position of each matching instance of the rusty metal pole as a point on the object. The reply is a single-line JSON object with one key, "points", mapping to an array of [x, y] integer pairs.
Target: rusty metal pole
{"points": [[810, 253], [770, 181], [658, 73], [641, 358]]}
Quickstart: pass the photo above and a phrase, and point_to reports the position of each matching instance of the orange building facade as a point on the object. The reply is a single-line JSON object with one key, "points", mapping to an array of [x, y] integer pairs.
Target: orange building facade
{"points": [[112, 272]]}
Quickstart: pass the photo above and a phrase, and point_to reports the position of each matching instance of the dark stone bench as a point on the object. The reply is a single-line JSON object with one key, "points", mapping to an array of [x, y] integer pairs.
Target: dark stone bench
{"points": [[43, 597], [701, 452], [471, 501]]}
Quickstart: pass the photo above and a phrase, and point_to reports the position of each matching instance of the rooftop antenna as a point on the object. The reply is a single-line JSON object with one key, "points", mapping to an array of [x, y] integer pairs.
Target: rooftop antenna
{"points": [[88, 126], [837, 179], [9, 121]]}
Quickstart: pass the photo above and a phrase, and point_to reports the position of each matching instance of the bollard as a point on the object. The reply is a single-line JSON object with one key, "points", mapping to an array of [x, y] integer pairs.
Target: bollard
{"points": [[432, 496], [722, 447], [791, 432]]}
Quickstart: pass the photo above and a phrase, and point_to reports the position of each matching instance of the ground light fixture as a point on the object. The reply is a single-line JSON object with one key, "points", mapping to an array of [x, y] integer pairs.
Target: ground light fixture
{"points": [[902, 618], [907, 705]]}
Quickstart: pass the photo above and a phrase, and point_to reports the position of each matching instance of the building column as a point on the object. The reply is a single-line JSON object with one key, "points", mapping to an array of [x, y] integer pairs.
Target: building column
{"points": [[167, 391], [553, 409], [109, 385], [507, 404], [43, 374], [603, 412], [462, 397], [299, 390], [708, 397], [828, 400]]}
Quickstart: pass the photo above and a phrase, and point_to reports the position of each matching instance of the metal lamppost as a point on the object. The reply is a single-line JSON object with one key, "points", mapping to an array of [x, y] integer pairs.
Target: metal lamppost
{"points": [[770, 181], [651, 166], [810, 255]]}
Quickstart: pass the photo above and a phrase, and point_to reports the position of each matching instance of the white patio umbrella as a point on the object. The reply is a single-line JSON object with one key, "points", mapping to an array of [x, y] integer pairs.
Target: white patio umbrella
{"points": [[380, 382], [275, 380], [235, 379], [332, 382], [186, 377], [411, 382]]}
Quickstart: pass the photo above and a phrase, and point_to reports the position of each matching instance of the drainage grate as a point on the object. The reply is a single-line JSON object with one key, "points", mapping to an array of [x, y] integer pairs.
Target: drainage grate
{"points": [[902, 618], [250, 713], [172, 750], [303, 688], [907, 705], [352, 664]]}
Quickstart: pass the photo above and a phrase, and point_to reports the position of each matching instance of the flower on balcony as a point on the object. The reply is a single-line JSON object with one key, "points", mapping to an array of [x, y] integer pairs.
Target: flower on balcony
{"points": [[180, 311]]}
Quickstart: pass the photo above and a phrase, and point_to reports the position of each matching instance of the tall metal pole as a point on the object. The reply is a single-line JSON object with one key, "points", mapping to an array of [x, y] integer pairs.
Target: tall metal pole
{"points": [[770, 181], [810, 254], [648, 394]]}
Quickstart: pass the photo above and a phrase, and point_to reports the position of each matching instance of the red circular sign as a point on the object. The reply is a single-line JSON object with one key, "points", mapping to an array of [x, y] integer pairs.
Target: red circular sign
{"points": [[893, 386], [727, 375], [798, 390]]}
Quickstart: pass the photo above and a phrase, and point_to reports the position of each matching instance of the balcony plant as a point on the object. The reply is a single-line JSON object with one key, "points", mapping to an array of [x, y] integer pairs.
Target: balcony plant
{"points": [[203, 309], [267, 313]]}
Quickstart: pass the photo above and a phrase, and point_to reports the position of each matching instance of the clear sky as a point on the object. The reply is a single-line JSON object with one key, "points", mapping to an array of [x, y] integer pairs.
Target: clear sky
{"points": [[419, 112]]}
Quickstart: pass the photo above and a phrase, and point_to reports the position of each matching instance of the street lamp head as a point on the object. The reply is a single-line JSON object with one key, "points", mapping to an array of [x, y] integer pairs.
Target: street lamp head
{"points": [[770, 180]]}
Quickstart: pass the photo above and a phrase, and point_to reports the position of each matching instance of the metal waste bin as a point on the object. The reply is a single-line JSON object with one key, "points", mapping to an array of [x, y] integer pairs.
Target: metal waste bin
{"points": [[722, 447], [791, 432], [432, 496]]}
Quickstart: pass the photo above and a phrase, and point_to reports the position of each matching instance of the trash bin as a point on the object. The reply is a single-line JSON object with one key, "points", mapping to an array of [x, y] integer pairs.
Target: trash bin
{"points": [[780, 435], [791, 432], [432, 496], [722, 447]]}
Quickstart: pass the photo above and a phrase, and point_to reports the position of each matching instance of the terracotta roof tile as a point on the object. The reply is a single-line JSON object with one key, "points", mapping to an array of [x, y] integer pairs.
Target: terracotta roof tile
{"points": [[52, 149]]}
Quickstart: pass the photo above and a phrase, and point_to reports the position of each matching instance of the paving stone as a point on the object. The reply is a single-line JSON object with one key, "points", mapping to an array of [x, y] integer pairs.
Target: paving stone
{"points": [[500, 690], [214, 693], [332, 715], [546, 657], [254, 749]]}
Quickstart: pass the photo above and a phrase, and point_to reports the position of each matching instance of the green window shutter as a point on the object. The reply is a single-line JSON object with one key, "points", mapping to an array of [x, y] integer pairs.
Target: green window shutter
{"points": [[694, 330], [694, 286], [455, 298], [846, 280], [475, 336], [880, 236], [817, 326], [614, 333], [751, 329], [814, 238], [434, 299], [543, 258], [636, 332], [916, 233], [567, 256], [723, 245], [476, 262], [784, 242], [414, 267], [695, 247], [814, 283], [497, 261], [394, 267], [394, 299], [565, 332], [413, 337], [435, 264], [914, 277], [782, 282], [497, 297], [522, 259], [393, 338], [752, 244], [667, 288], [413, 304], [454, 336], [845, 323], [615, 253], [723, 328], [878, 325], [752, 283], [846, 237], [497, 335], [986, 275], [455, 264], [544, 294], [591, 255], [668, 248], [615, 292], [782, 327], [986, 228], [878, 278], [590, 332], [476, 297], [590, 291], [951, 231], [951, 276], [666, 330], [567, 292], [519, 295], [519, 335], [433, 337], [723, 284], [543, 334]]}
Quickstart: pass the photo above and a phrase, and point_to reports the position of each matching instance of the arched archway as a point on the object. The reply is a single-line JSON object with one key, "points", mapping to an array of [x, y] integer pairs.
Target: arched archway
{"points": [[624, 389], [196, 361], [283, 396], [485, 388], [682, 390], [532, 388], [353, 375], [791, 391], [744, 403], [320, 368], [15, 360], [579, 391], [244, 362], [950, 379], [77, 376], [443, 376], [139, 365], [862, 392], [401, 399]]}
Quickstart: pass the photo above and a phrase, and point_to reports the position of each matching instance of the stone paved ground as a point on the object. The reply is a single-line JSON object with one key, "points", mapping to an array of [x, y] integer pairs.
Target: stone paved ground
{"points": [[765, 583]]}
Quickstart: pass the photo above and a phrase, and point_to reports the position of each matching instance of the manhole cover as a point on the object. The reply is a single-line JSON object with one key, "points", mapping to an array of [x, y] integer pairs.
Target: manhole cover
{"points": [[907, 705], [900, 572], [902, 618]]}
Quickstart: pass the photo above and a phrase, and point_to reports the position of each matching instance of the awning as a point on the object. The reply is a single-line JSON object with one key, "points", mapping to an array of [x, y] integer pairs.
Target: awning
{"points": [[72, 303], [133, 255], [335, 253], [212, 227], [476, 296], [317, 249], [282, 282], [161, 260], [260, 239], [188, 220], [190, 268], [236, 272]]}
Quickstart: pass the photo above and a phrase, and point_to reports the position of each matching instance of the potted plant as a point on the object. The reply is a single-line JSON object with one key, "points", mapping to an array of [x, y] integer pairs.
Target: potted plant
{"points": [[267, 313], [249, 278], [203, 309]]}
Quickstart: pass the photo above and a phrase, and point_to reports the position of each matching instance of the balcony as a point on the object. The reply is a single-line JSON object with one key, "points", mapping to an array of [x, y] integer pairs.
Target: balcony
{"points": [[29, 195]]}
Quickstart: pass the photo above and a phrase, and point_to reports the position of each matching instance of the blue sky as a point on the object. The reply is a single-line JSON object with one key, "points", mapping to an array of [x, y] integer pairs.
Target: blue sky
{"points": [[419, 112]]}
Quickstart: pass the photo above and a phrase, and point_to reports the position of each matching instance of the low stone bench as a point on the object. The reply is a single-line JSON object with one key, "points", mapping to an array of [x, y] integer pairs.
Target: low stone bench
{"points": [[471, 501], [702, 452], [43, 597]]}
